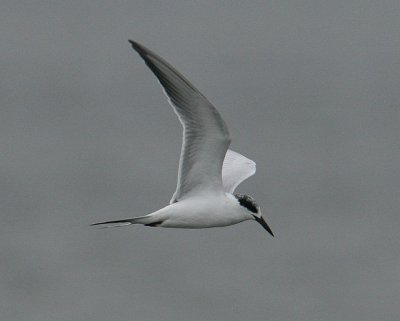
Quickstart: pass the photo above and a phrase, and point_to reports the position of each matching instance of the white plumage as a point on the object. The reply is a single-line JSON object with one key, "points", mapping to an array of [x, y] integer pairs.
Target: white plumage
{"points": [[236, 168], [208, 171]]}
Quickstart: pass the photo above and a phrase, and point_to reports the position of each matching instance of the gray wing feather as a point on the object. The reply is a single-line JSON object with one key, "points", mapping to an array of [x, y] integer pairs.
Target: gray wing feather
{"points": [[205, 134], [236, 168]]}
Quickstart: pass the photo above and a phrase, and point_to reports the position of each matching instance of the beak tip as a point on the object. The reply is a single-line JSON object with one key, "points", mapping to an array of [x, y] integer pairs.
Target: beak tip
{"points": [[264, 224]]}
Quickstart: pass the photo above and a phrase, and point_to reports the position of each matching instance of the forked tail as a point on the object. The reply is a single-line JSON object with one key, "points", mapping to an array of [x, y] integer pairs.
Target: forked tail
{"points": [[145, 220]]}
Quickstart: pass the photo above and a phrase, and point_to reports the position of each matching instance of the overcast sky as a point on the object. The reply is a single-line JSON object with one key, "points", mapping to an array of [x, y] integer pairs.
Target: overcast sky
{"points": [[309, 90]]}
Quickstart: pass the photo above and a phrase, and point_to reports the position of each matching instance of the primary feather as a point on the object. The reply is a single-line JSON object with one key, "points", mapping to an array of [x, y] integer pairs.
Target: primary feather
{"points": [[236, 169], [205, 134]]}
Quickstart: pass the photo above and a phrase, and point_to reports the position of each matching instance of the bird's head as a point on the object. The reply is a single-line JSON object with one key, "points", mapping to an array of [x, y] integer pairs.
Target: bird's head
{"points": [[253, 210]]}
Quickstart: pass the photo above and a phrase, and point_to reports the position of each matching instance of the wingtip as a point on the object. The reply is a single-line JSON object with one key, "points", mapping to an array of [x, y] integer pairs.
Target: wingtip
{"points": [[138, 47], [134, 44]]}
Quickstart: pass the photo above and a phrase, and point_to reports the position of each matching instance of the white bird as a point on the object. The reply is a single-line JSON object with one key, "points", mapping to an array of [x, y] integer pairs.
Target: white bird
{"points": [[208, 171]]}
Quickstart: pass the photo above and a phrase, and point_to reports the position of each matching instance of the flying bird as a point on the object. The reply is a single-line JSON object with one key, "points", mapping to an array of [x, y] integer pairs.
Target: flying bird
{"points": [[208, 171]]}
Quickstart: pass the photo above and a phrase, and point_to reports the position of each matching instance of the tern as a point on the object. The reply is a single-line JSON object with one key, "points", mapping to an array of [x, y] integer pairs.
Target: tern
{"points": [[208, 171]]}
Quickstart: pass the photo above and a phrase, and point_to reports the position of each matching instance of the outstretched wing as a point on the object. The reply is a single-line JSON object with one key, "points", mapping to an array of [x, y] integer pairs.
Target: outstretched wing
{"points": [[236, 168], [205, 134]]}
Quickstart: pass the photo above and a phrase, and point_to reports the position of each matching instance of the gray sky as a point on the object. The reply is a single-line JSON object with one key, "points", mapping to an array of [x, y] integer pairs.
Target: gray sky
{"points": [[309, 90]]}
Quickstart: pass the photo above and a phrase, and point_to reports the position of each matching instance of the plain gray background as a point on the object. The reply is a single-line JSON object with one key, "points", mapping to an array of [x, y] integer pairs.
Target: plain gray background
{"points": [[310, 91]]}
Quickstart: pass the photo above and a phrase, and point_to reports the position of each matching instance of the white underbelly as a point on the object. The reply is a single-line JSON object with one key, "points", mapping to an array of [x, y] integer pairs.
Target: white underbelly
{"points": [[203, 215], [197, 222]]}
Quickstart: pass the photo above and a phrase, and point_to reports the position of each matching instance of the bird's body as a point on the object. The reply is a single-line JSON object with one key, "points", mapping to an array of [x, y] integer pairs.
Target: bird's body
{"points": [[202, 211], [208, 172]]}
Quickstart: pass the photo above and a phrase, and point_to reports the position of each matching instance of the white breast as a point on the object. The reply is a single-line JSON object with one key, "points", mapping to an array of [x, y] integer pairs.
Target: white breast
{"points": [[203, 212]]}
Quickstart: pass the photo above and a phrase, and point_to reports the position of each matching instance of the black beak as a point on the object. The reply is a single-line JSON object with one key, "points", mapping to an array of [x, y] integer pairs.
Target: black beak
{"points": [[264, 224]]}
